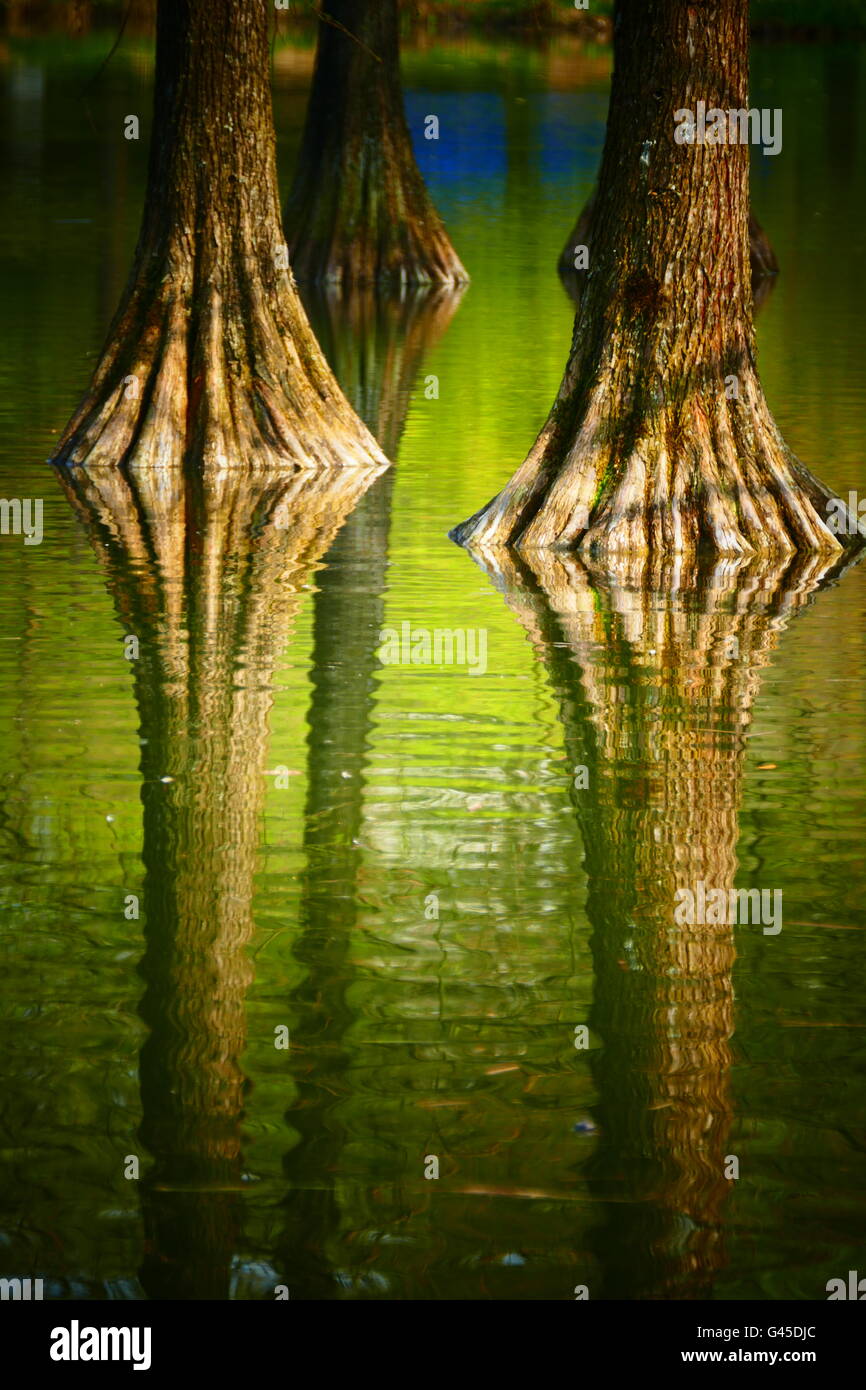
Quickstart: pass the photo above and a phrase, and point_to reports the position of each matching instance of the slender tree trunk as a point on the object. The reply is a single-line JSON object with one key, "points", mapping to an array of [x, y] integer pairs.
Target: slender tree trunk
{"points": [[660, 439], [210, 360], [359, 212]]}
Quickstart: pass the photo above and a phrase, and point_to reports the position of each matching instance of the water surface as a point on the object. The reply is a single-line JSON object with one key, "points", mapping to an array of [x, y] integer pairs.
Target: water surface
{"points": [[318, 797]]}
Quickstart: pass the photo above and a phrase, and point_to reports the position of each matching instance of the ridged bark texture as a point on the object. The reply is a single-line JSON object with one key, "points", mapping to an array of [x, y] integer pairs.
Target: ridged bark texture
{"points": [[210, 361], [660, 439], [762, 257], [359, 212]]}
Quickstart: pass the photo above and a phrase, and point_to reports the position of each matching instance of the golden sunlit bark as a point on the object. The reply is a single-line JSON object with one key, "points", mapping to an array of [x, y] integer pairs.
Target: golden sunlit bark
{"points": [[660, 439], [210, 360]]}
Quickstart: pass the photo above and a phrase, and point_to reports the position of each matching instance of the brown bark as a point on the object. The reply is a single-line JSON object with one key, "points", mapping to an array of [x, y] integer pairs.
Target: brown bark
{"points": [[210, 360], [209, 578], [359, 212], [647, 448], [762, 257], [656, 677]]}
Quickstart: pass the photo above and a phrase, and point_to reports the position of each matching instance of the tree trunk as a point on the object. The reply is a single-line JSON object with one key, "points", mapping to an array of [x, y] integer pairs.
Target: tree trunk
{"points": [[359, 212], [210, 360], [762, 258], [660, 439]]}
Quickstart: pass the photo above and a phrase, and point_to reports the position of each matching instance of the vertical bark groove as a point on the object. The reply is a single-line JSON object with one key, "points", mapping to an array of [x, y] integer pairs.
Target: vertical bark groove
{"points": [[660, 438]]}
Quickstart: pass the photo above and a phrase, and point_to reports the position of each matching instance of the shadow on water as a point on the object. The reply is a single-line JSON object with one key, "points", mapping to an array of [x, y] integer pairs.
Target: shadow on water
{"points": [[347, 620], [375, 345], [656, 679]]}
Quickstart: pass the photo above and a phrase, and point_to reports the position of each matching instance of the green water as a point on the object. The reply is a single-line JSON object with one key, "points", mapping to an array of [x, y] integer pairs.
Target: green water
{"points": [[319, 796]]}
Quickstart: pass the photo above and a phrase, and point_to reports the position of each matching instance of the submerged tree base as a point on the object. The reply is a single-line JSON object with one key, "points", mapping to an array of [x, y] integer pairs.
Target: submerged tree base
{"points": [[706, 472], [359, 212], [372, 226], [210, 361], [660, 440], [228, 374]]}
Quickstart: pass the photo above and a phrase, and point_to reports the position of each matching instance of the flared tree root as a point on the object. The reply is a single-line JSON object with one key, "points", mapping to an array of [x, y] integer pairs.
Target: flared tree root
{"points": [[709, 472], [228, 374], [359, 212]]}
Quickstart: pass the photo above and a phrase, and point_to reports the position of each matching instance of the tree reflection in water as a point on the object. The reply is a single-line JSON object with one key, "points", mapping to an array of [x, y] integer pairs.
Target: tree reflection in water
{"points": [[656, 676]]}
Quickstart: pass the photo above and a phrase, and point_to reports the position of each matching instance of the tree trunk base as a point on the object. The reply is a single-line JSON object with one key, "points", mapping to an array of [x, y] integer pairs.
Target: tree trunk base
{"points": [[709, 474], [374, 226], [359, 212], [227, 377], [660, 440]]}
